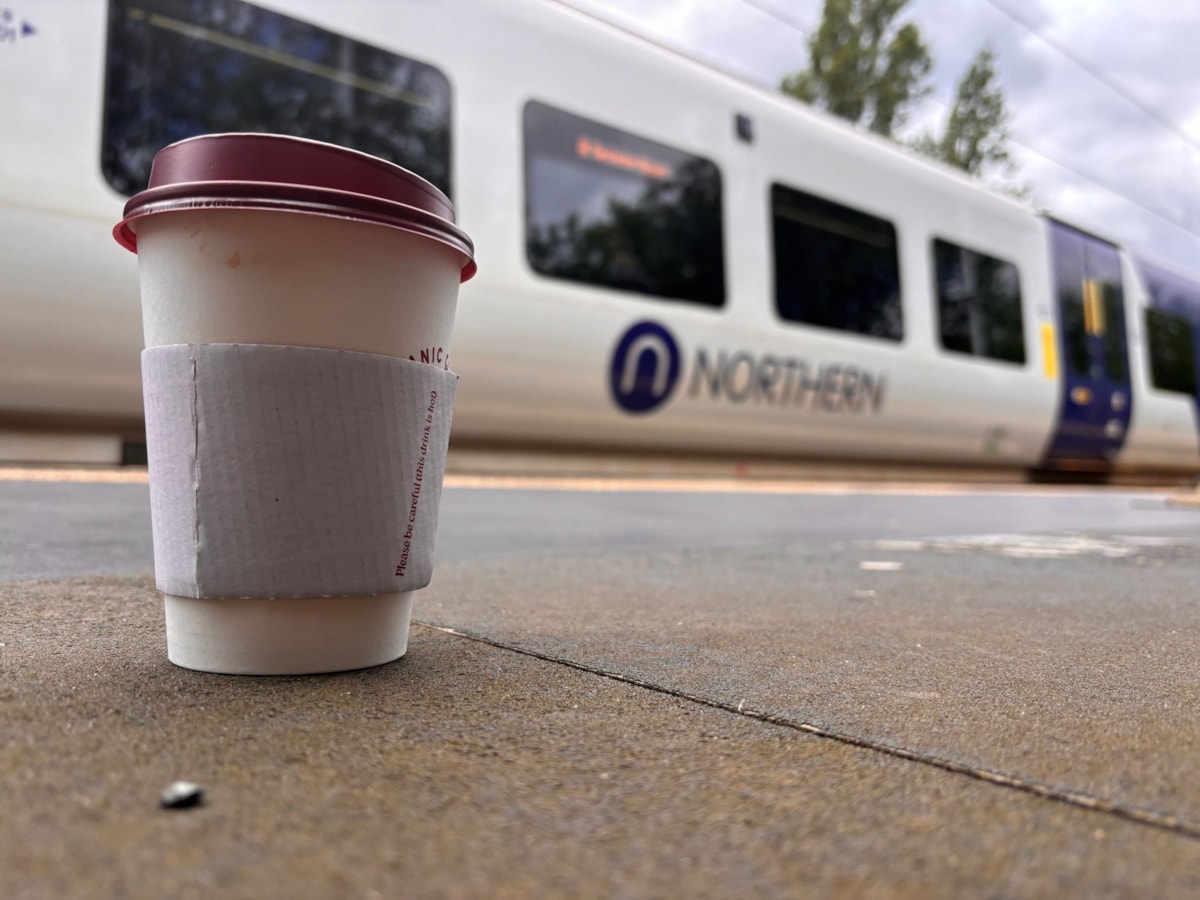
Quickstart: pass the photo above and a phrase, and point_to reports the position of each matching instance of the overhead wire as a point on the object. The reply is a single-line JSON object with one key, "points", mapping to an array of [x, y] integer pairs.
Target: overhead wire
{"points": [[1178, 220], [769, 11], [1095, 72]]}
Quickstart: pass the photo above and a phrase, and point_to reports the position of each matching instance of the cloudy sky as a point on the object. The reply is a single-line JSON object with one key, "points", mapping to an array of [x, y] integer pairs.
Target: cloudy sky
{"points": [[1103, 95]]}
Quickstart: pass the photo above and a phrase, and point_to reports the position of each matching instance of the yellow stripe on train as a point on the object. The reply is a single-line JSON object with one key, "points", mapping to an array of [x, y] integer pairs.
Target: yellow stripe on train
{"points": [[1049, 352]]}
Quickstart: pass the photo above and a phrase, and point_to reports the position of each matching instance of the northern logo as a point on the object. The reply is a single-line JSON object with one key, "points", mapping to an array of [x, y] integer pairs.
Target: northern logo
{"points": [[645, 368]]}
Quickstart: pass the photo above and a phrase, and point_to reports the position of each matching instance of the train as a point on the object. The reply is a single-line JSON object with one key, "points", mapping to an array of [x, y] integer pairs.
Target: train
{"points": [[671, 260]]}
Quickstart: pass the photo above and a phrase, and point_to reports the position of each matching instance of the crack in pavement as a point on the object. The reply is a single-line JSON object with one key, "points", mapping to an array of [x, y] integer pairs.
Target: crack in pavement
{"points": [[1141, 815]]}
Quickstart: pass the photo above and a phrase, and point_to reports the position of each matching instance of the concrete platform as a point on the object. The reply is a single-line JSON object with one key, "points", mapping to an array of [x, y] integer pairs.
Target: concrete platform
{"points": [[1000, 718]]}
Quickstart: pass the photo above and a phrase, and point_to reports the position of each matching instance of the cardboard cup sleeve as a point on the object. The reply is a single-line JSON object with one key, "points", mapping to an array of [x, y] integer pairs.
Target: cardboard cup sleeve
{"points": [[293, 472]]}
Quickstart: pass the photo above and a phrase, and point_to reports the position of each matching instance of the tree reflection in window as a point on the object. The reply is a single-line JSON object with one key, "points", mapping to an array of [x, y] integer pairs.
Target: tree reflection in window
{"points": [[178, 68], [979, 304], [1172, 352], [607, 208], [1171, 322]]}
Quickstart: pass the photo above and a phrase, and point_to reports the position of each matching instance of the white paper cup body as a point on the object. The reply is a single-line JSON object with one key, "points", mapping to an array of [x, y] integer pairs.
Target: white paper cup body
{"points": [[287, 637], [250, 276], [260, 277]]}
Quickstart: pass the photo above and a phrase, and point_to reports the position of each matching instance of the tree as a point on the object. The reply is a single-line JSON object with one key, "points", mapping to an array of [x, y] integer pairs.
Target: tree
{"points": [[975, 138], [863, 65]]}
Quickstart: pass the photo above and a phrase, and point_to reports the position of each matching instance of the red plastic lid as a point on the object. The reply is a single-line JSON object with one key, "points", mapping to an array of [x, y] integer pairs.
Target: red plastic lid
{"points": [[276, 172]]}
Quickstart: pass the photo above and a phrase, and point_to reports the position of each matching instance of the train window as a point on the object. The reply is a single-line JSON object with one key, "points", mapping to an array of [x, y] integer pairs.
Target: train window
{"points": [[1172, 352], [1079, 356], [1113, 312], [835, 267], [1170, 328], [979, 303], [607, 208], [178, 68]]}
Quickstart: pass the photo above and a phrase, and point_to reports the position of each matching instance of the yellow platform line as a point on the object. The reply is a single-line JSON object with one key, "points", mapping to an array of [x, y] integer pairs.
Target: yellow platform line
{"points": [[82, 476], [601, 484]]}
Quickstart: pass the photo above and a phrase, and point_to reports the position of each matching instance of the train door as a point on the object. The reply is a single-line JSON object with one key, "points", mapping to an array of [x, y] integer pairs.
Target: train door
{"points": [[1096, 401]]}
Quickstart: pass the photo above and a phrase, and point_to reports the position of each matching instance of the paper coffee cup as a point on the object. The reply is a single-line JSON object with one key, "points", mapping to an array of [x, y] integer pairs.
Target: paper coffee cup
{"points": [[298, 304]]}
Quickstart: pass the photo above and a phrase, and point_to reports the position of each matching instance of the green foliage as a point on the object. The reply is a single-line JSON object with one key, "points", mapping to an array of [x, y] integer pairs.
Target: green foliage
{"points": [[870, 68], [863, 65], [665, 242], [976, 133]]}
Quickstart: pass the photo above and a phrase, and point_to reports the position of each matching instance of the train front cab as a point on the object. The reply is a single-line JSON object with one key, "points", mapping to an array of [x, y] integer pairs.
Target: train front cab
{"points": [[1096, 395], [1126, 363]]}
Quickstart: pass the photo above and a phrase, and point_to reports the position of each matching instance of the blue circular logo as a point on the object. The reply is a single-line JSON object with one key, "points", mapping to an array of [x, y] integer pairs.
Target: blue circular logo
{"points": [[645, 367]]}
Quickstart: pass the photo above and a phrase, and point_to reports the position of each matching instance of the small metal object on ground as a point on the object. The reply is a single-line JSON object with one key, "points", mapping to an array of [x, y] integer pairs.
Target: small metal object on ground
{"points": [[181, 795]]}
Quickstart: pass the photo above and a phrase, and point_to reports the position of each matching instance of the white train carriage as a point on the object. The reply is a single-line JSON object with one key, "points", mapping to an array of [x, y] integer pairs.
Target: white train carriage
{"points": [[669, 258]]}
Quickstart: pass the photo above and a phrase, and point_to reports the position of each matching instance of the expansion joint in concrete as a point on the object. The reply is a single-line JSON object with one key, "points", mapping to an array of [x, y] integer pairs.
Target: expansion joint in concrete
{"points": [[1141, 815]]}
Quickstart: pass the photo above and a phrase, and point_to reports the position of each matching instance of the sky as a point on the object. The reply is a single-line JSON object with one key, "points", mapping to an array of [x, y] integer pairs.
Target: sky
{"points": [[1103, 95]]}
